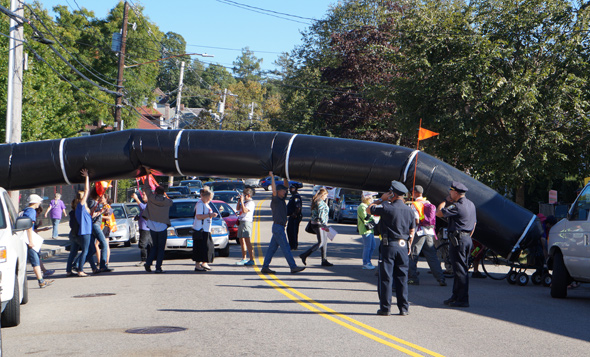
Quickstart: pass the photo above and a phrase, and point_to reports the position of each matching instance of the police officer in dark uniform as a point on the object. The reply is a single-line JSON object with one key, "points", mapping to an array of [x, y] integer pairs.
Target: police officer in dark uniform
{"points": [[461, 216], [397, 226], [294, 209]]}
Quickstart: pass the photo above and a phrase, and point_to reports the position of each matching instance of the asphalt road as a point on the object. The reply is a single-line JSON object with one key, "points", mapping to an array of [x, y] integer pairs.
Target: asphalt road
{"points": [[234, 310]]}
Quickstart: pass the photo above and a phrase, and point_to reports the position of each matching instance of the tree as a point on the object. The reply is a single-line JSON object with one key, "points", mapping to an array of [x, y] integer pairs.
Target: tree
{"points": [[247, 66]]}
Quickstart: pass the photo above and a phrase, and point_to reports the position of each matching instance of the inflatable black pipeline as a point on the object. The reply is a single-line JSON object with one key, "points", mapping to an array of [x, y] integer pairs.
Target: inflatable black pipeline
{"points": [[502, 225]]}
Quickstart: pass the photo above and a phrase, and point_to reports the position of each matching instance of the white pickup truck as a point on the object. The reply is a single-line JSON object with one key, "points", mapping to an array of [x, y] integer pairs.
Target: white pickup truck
{"points": [[569, 246], [13, 260]]}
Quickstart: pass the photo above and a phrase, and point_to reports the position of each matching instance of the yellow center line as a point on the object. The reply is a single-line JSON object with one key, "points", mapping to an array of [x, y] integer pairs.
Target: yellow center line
{"points": [[325, 311]]}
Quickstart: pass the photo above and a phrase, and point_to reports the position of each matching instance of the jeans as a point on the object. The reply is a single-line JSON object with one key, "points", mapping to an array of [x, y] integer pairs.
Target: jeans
{"points": [[425, 244], [99, 235], [55, 222], [33, 257], [279, 238], [158, 248], [368, 247], [85, 240], [75, 244], [145, 244]]}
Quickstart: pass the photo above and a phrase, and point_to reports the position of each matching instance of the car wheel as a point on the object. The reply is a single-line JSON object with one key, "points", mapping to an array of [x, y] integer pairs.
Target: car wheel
{"points": [[224, 252], [338, 218], [265, 188], [561, 278], [127, 243], [25, 292], [11, 314], [133, 238]]}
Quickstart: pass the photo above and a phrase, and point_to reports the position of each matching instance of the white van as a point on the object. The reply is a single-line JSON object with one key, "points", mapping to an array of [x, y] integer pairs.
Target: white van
{"points": [[569, 246]]}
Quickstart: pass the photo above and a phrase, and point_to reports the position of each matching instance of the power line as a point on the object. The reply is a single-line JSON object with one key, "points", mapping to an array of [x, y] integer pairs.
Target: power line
{"points": [[261, 11]]}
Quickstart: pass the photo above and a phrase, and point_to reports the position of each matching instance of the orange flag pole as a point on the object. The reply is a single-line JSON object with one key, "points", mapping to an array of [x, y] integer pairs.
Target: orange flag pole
{"points": [[423, 134]]}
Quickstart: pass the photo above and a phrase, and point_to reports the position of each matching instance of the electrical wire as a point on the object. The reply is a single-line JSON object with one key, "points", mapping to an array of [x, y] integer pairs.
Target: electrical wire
{"points": [[264, 12]]}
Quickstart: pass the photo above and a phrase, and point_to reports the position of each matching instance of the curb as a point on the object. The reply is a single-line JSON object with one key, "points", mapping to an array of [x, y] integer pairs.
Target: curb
{"points": [[48, 253]]}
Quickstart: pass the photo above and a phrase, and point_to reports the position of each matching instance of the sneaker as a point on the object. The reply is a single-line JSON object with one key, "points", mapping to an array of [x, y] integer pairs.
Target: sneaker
{"points": [[303, 259], [442, 282], [413, 282], [48, 272], [250, 262], [106, 270], [45, 283], [139, 264], [368, 266], [242, 262], [383, 312], [478, 275], [267, 271], [297, 270], [326, 263], [147, 268]]}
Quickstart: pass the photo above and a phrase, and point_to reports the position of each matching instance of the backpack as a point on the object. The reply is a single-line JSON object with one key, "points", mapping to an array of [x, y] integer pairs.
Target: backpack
{"points": [[429, 215]]}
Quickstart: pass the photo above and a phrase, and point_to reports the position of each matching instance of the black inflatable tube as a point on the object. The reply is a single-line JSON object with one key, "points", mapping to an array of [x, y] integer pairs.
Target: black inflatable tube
{"points": [[502, 225]]}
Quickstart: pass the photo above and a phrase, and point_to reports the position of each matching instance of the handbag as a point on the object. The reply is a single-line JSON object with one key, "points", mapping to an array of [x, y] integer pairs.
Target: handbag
{"points": [[309, 228]]}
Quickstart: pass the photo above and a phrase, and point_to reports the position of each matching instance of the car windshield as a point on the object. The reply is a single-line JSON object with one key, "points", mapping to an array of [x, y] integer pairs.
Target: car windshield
{"points": [[119, 212], [181, 189], [185, 209], [226, 186], [132, 209], [224, 207], [230, 197], [192, 183], [352, 196]]}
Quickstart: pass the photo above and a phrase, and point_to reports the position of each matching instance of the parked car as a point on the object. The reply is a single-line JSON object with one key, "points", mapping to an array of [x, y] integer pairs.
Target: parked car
{"points": [[185, 191], [180, 233], [569, 246], [252, 183], [266, 182], [194, 185], [230, 197], [226, 185], [127, 230], [229, 216], [345, 204], [13, 261]]}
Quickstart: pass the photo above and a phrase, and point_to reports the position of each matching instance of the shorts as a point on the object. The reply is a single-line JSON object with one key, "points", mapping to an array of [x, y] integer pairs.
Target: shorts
{"points": [[245, 230], [33, 257]]}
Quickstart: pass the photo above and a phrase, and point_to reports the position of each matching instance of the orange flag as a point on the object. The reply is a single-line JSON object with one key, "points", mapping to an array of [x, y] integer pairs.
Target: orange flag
{"points": [[424, 134]]}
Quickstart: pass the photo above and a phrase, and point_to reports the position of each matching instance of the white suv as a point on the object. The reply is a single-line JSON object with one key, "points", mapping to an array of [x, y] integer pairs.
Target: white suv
{"points": [[569, 246], [13, 261]]}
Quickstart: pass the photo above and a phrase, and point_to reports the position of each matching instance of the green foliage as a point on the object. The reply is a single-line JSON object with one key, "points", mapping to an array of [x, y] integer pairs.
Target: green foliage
{"points": [[247, 66]]}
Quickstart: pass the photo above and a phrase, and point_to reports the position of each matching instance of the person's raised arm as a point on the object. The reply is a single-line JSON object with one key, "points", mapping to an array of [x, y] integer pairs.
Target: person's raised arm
{"points": [[286, 183], [84, 173], [273, 183]]}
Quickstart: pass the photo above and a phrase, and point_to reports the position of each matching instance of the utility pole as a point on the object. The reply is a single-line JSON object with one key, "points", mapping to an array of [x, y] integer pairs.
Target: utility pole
{"points": [[221, 108], [251, 116], [15, 84], [176, 120], [119, 99]]}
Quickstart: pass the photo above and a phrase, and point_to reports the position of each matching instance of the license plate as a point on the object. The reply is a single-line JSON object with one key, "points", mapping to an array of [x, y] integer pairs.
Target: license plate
{"points": [[189, 243]]}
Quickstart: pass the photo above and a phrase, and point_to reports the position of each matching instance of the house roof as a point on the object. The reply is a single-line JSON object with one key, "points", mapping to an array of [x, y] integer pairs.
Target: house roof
{"points": [[144, 123], [149, 111]]}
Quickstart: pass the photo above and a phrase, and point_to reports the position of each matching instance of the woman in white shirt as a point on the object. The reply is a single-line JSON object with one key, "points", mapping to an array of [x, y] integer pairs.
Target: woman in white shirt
{"points": [[203, 247]]}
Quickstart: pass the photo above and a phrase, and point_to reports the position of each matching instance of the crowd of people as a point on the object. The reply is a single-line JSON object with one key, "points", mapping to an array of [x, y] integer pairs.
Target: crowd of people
{"points": [[406, 228]]}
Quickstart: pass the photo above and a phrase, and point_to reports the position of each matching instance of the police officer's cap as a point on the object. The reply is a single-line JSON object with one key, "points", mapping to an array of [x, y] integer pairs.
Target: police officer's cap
{"points": [[398, 188], [459, 187]]}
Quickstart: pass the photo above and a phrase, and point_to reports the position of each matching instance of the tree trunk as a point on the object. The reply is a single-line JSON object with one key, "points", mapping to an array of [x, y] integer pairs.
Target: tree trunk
{"points": [[520, 195]]}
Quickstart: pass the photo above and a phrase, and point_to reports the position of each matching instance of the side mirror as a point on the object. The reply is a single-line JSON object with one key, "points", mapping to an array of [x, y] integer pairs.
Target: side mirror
{"points": [[22, 223], [224, 214]]}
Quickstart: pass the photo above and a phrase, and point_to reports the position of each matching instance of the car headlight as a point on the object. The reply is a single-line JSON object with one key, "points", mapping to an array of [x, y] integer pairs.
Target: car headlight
{"points": [[219, 230], [171, 232]]}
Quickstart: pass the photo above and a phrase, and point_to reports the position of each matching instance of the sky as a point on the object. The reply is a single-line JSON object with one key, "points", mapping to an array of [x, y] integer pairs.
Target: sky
{"points": [[218, 28]]}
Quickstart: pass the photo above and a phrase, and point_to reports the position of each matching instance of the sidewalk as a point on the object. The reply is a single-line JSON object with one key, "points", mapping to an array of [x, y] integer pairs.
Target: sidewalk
{"points": [[51, 246]]}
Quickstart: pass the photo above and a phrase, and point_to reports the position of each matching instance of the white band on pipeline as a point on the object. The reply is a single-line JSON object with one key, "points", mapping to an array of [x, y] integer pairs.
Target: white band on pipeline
{"points": [[61, 161], [288, 154], [526, 230], [412, 155], [176, 145]]}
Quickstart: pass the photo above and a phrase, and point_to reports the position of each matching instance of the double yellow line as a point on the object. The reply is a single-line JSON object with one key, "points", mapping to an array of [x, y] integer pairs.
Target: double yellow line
{"points": [[326, 312]]}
